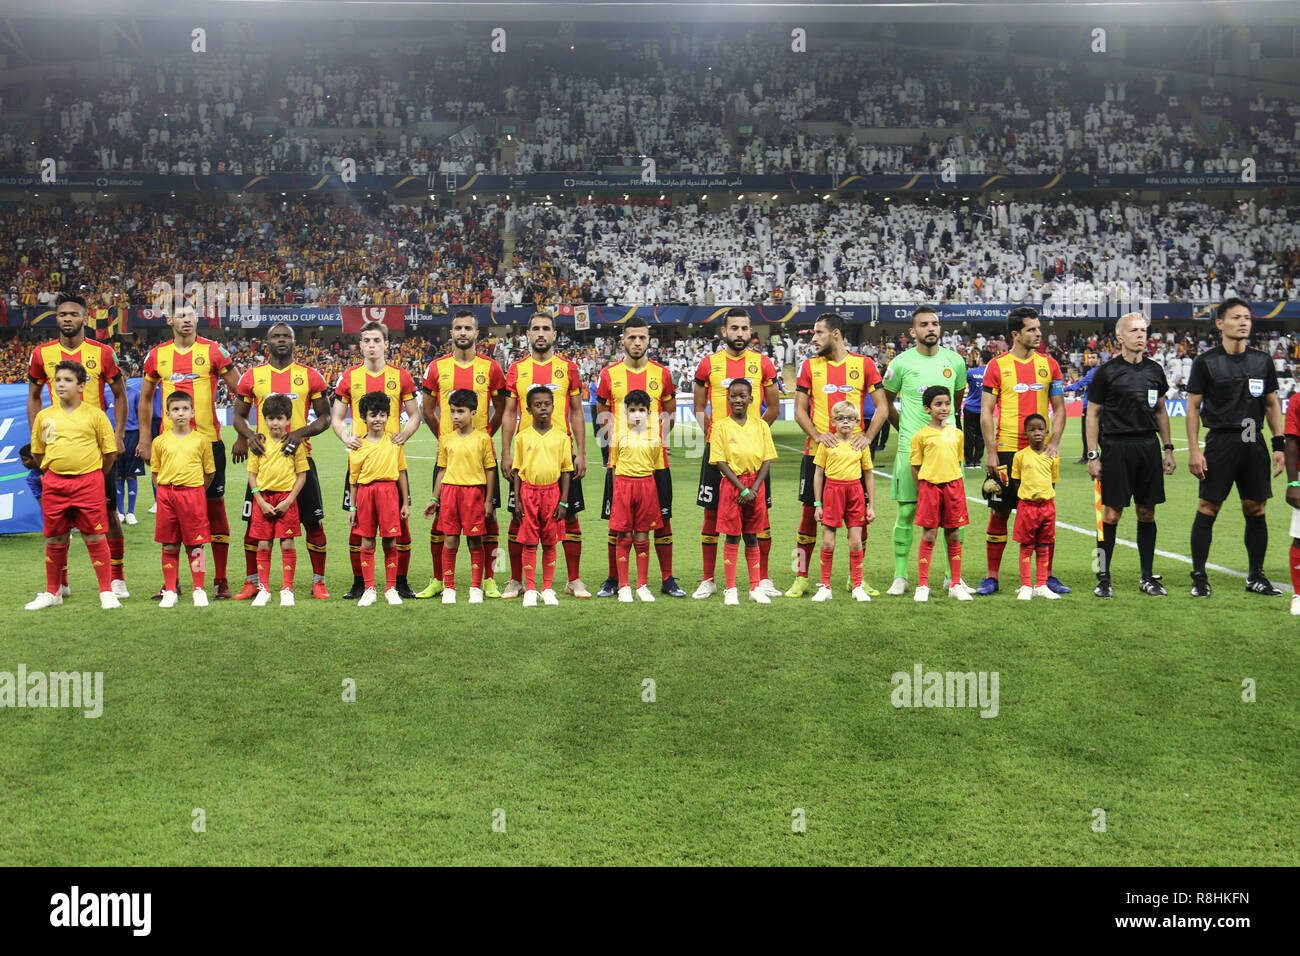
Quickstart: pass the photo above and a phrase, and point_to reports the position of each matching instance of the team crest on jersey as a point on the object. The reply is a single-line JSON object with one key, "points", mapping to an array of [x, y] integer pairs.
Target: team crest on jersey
{"points": [[653, 386], [1256, 386], [299, 380], [390, 385], [199, 360], [559, 374], [947, 373], [1153, 395], [1042, 372], [91, 363], [854, 374], [480, 379], [753, 368]]}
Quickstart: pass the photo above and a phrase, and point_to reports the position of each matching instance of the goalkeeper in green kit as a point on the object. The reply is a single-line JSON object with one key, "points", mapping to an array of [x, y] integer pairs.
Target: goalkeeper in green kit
{"points": [[906, 379]]}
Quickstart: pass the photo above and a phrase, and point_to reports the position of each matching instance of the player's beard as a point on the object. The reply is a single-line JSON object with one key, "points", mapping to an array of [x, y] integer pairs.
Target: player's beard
{"points": [[738, 345]]}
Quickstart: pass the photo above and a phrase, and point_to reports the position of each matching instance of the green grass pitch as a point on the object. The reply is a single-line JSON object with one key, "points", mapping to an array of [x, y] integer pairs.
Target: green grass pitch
{"points": [[536, 720]]}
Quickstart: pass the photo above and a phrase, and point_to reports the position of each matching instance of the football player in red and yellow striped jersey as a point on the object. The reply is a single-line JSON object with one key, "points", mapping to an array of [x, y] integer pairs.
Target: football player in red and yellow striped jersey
{"points": [[306, 389], [463, 367], [714, 375], [543, 367], [100, 364], [637, 373], [374, 374], [1017, 384], [833, 375], [192, 364]]}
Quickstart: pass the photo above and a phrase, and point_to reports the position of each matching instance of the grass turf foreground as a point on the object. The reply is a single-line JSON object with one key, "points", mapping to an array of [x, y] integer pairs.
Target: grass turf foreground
{"points": [[762, 716]]}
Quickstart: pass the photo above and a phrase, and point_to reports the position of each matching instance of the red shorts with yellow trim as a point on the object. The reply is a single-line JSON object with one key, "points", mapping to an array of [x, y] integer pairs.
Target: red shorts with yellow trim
{"points": [[69, 501], [1035, 522], [635, 505], [735, 518], [261, 527], [942, 505], [379, 510], [844, 504], [182, 516], [462, 509], [538, 525]]}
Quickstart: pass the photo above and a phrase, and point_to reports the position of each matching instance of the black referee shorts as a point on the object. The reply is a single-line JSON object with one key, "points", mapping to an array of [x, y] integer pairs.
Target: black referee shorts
{"points": [[1009, 496], [711, 480], [217, 489], [1131, 470], [663, 487], [1230, 461], [311, 506]]}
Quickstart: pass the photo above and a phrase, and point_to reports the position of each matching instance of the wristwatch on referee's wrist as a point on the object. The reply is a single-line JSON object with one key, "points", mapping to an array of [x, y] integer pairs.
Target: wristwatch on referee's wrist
{"points": [[1093, 455], [1169, 447]]}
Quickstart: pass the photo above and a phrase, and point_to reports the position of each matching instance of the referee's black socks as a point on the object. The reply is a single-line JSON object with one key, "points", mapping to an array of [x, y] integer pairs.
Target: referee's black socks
{"points": [[1147, 546], [1256, 543], [1107, 547], [1202, 536]]}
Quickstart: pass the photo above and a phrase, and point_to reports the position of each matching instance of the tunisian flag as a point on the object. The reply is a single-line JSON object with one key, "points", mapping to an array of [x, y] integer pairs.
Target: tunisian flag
{"points": [[392, 316]]}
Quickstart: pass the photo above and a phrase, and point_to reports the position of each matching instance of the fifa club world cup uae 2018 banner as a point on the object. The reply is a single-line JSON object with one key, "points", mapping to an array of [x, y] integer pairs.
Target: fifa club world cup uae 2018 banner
{"points": [[19, 510]]}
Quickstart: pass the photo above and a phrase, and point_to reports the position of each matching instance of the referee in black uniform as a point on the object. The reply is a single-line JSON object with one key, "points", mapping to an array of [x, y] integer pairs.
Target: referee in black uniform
{"points": [[1233, 387], [1126, 404]]}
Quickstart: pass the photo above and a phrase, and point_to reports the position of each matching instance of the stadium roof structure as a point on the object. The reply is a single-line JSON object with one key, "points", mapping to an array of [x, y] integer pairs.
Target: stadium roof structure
{"points": [[1094, 12]]}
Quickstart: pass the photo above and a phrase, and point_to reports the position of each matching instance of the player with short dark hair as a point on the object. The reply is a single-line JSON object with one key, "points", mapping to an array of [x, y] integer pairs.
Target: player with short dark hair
{"points": [[276, 479], [713, 376], [184, 464], [379, 493], [1126, 411], [636, 457], [1035, 529], [304, 388], [73, 443], [1233, 388], [1018, 383], [637, 373], [99, 364], [543, 457], [934, 457], [461, 501]]}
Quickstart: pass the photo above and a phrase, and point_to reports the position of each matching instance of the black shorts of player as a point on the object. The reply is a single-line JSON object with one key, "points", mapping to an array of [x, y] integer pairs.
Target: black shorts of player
{"points": [[577, 503], [711, 480], [347, 493], [1010, 494], [311, 506], [218, 487], [130, 465], [663, 488], [1230, 461], [807, 490], [1131, 469]]}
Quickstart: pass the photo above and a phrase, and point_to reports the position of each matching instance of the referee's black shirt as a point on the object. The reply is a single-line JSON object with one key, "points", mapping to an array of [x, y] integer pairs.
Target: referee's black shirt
{"points": [[1129, 396], [1232, 386]]}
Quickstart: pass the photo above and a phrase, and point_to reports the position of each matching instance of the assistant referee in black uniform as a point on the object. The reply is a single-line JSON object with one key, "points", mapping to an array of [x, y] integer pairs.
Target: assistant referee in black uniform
{"points": [[1126, 408], [1233, 387]]}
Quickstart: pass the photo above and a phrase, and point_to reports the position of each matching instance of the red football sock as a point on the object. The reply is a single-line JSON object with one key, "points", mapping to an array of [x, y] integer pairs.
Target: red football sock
{"points": [[1027, 565], [56, 556], [316, 549], [1044, 555], [623, 550], [219, 526], [530, 569], [997, 542], [923, 563], [664, 549], [290, 559], [548, 566], [252, 563], [367, 560], [806, 540], [264, 569], [392, 564], [753, 560], [642, 563], [611, 547], [101, 561], [1295, 569], [828, 561], [573, 548], [198, 567], [954, 561], [170, 561], [855, 568], [354, 552], [709, 545], [476, 567], [449, 567], [116, 547], [730, 556], [764, 549], [514, 550]]}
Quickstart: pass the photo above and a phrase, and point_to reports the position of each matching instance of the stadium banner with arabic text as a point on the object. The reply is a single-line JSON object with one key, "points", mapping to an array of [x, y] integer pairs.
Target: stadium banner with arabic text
{"points": [[20, 511], [595, 316]]}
